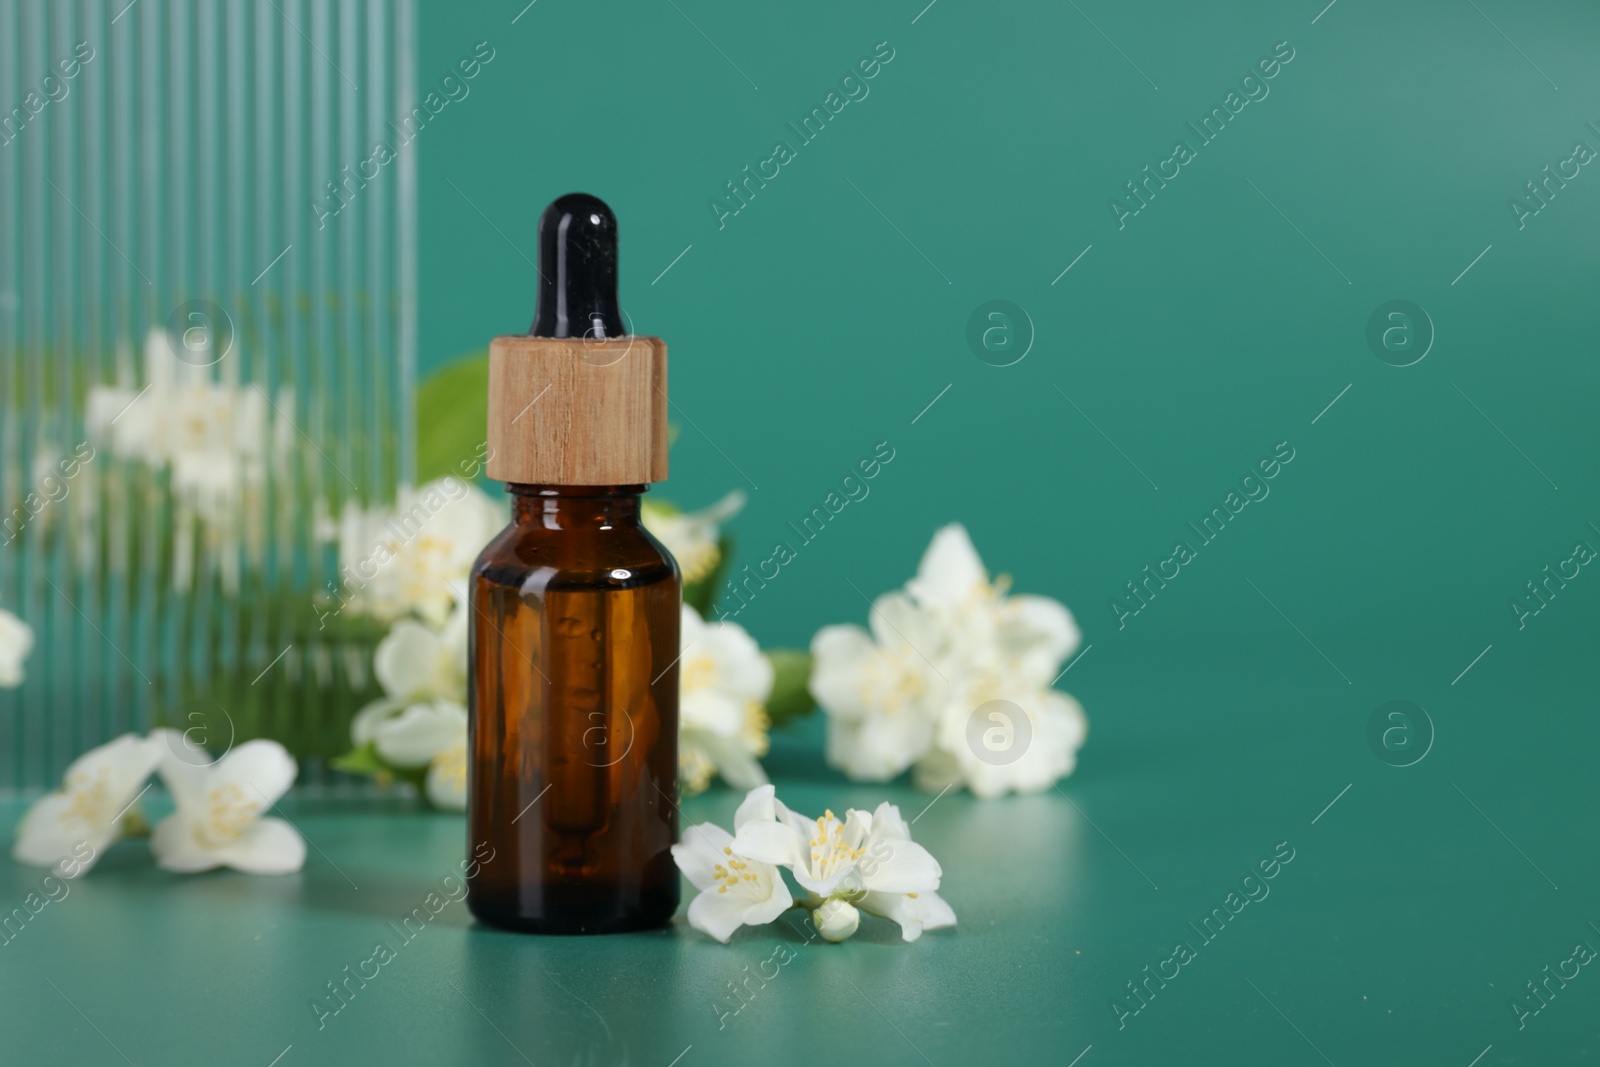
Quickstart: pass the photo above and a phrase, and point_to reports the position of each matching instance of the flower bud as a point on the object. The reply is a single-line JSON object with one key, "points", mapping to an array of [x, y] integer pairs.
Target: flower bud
{"points": [[836, 919]]}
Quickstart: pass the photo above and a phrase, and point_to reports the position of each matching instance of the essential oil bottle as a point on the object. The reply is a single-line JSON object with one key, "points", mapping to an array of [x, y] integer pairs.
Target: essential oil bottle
{"points": [[573, 675]]}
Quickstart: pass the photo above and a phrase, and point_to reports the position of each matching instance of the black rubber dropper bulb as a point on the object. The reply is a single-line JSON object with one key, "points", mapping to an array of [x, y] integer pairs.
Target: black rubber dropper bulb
{"points": [[577, 270]]}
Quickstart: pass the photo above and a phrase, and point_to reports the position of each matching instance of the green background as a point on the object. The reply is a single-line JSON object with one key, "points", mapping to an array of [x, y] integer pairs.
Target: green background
{"points": [[1196, 338], [1225, 717]]}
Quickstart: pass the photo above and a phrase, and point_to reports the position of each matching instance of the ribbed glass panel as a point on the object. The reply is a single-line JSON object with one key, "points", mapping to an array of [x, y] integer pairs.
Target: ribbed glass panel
{"points": [[206, 360]]}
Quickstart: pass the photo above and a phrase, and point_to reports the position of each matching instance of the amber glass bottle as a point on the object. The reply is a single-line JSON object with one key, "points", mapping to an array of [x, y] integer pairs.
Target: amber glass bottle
{"points": [[573, 680], [574, 716]]}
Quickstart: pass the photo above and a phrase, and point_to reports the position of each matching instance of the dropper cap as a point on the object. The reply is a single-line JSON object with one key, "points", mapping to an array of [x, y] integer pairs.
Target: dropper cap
{"points": [[577, 400], [577, 270]]}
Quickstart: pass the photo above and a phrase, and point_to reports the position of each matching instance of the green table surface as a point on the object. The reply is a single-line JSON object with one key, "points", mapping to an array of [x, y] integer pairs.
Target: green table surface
{"points": [[1418, 903]]}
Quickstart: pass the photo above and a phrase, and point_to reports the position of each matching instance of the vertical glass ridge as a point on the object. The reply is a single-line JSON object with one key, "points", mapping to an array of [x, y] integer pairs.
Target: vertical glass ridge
{"points": [[207, 319]]}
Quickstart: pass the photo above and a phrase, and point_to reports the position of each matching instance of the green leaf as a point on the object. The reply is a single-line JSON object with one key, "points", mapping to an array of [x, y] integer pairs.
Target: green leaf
{"points": [[452, 417], [365, 760], [791, 677]]}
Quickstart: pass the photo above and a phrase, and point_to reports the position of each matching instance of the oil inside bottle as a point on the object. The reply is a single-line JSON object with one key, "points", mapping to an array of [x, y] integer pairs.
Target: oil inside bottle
{"points": [[574, 717]]}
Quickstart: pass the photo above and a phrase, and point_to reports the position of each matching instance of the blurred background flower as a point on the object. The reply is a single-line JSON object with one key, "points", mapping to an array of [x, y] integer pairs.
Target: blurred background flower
{"points": [[953, 679], [724, 682], [413, 558], [695, 537], [71, 827], [16, 642], [417, 731]]}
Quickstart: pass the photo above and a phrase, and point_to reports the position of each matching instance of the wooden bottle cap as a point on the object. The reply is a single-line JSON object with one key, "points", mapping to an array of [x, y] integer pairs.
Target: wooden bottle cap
{"points": [[573, 411]]}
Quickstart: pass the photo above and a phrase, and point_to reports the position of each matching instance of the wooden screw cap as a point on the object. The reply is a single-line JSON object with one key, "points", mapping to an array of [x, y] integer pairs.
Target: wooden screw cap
{"points": [[572, 411]]}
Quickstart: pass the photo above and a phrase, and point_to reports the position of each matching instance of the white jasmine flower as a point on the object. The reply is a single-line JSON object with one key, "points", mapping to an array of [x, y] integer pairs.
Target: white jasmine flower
{"points": [[70, 828], [415, 558], [917, 691], [724, 682], [836, 920], [16, 644], [867, 863], [213, 439], [881, 692], [735, 890], [218, 819], [861, 854], [692, 536]]}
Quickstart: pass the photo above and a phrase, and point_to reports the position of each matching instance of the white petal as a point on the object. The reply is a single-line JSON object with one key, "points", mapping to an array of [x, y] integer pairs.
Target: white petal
{"points": [[802, 825], [949, 571], [406, 660], [1068, 722], [185, 779], [716, 914], [16, 643], [857, 828], [180, 746], [271, 846], [885, 745], [419, 733], [771, 901], [776, 842], [843, 881], [1057, 726], [734, 762], [364, 727], [924, 911], [898, 866], [49, 834], [881, 692], [723, 510], [125, 764], [691, 627], [887, 822], [759, 805], [176, 848], [720, 911], [741, 669], [434, 533], [839, 654], [897, 622], [701, 850], [77, 822], [711, 711], [1037, 634], [453, 635], [264, 769], [691, 537], [447, 779], [694, 763]]}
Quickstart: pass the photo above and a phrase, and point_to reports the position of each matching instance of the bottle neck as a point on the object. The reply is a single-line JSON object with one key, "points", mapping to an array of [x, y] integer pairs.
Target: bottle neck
{"points": [[570, 507]]}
